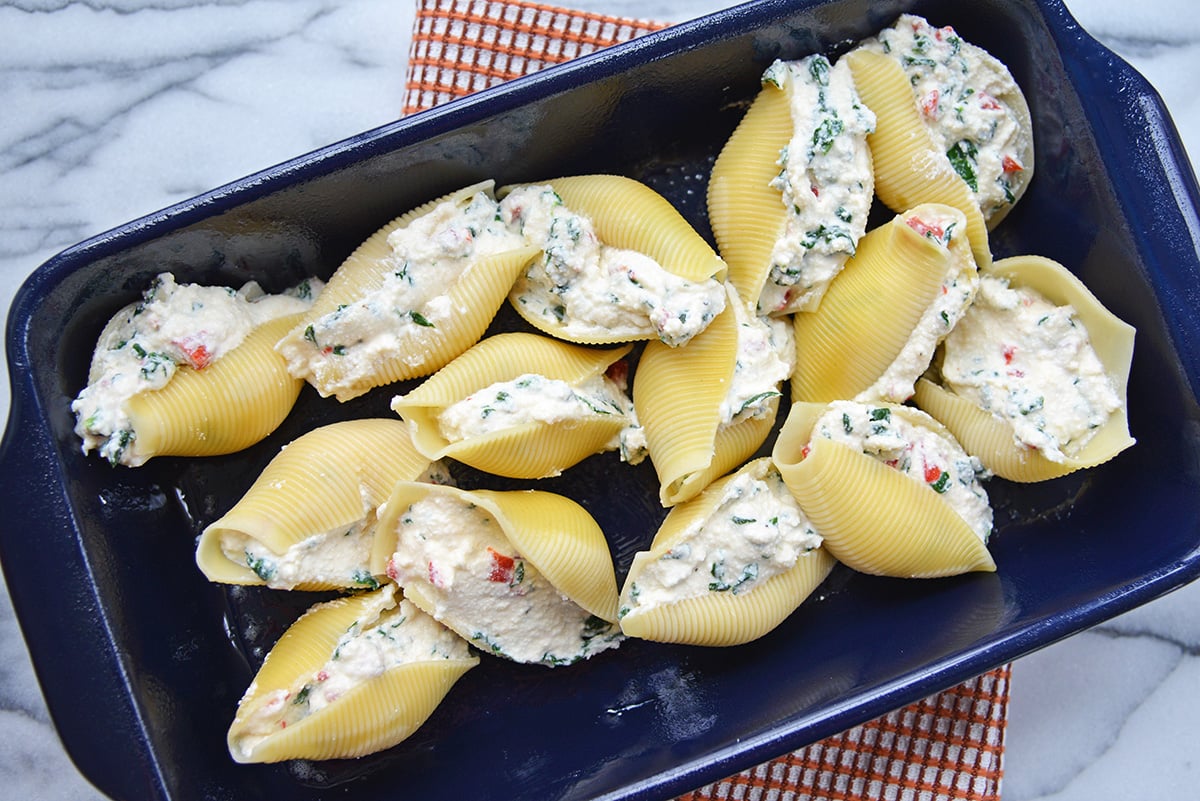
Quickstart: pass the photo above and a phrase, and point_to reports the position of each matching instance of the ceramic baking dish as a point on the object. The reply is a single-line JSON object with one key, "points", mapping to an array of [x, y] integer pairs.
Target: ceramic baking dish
{"points": [[142, 661]]}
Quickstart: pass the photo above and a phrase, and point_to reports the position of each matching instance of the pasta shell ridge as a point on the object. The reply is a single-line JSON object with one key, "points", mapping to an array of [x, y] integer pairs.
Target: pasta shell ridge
{"points": [[563, 541], [746, 213], [677, 394], [909, 169], [229, 405], [868, 313]]}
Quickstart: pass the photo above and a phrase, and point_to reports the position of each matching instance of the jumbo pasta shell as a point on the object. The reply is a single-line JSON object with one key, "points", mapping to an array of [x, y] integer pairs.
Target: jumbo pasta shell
{"points": [[868, 314], [991, 439], [909, 168], [629, 215], [524, 575], [396, 347], [531, 450], [327, 481], [229, 405], [716, 618], [746, 212], [874, 519], [375, 714], [555, 534], [677, 394]]}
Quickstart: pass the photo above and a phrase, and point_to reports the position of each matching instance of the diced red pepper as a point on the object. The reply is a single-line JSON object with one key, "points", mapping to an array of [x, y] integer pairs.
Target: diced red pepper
{"points": [[988, 102], [322, 675], [1011, 165], [816, 190], [392, 572], [1009, 352], [194, 350], [502, 567], [806, 450], [929, 106], [925, 229], [435, 578], [932, 473]]}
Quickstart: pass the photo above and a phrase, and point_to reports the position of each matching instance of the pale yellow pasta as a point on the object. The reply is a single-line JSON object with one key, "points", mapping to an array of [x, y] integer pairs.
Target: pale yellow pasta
{"points": [[874, 518], [746, 212], [229, 405], [535, 447], [388, 317], [991, 437], [681, 399], [308, 520], [909, 168], [870, 313], [306, 702], [697, 542]]}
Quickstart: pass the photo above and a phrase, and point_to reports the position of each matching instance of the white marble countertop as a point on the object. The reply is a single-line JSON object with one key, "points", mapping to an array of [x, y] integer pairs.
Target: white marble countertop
{"points": [[111, 109]]}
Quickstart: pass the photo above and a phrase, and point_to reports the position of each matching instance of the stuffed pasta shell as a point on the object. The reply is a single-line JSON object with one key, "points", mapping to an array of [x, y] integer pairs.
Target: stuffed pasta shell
{"points": [[791, 190], [888, 488], [523, 575], [521, 405], [707, 407], [308, 521], [417, 293], [188, 370], [350, 677], [953, 125], [727, 566], [618, 263], [880, 323], [1033, 379]]}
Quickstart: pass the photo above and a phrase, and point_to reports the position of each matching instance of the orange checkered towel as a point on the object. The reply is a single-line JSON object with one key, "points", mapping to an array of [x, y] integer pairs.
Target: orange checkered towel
{"points": [[948, 747]]}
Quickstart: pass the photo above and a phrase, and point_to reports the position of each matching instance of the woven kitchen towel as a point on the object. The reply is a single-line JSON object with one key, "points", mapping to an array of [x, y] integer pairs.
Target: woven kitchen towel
{"points": [[948, 747]]}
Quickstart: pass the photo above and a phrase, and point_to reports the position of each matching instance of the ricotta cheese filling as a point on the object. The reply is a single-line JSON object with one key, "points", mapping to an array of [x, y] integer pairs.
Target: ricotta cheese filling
{"points": [[826, 181], [1030, 363], [145, 343], [939, 318], [755, 532], [766, 357], [388, 634], [961, 91], [532, 398], [427, 256], [486, 591], [588, 289], [918, 451]]}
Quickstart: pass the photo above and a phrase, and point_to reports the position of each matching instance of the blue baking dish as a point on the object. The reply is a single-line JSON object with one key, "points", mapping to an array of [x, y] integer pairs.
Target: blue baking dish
{"points": [[142, 661]]}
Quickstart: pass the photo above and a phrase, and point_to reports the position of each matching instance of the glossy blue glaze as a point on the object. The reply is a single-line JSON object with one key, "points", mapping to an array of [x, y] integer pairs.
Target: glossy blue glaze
{"points": [[142, 661]]}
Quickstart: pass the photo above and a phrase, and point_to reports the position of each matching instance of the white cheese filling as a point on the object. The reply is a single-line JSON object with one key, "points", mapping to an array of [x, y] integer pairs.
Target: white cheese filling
{"points": [[1030, 363], [961, 91], [486, 591], [588, 289], [826, 181], [387, 635], [756, 531], [766, 357], [958, 289], [918, 451], [144, 344]]}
